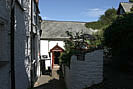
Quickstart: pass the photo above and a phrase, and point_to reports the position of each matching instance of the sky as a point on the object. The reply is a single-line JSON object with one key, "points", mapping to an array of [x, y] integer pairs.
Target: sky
{"points": [[75, 10]]}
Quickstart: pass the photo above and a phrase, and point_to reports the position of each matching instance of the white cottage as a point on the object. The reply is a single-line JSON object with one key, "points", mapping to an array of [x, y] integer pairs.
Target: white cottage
{"points": [[51, 48], [53, 37]]}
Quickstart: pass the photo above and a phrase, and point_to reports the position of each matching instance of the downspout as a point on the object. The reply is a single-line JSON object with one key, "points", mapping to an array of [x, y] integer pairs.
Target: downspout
{"points": [[31, 43], [12, 25]]}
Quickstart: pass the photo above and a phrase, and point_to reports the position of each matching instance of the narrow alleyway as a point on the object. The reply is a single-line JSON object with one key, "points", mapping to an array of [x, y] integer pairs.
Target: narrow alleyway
{"points": [[51, 82]]}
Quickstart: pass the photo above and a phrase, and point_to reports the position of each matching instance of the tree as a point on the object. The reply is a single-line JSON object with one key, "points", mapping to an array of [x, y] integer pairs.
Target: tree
{"points": [[130, 0], [119, 37], [106, 19], [110, 15]]}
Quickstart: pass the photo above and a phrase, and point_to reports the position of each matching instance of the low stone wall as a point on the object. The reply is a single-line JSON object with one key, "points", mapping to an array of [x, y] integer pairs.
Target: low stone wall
{"points": [[85, 73]]}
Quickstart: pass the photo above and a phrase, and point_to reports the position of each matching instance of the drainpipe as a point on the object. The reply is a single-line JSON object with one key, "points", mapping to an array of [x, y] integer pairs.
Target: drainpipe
{"points": [[12, 25], [31, 71]]}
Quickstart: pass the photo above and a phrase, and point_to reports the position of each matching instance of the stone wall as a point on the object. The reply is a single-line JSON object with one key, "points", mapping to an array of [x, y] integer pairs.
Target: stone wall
{"points": [[22, 45], [85, 73], [21, 75], [4, 44]]}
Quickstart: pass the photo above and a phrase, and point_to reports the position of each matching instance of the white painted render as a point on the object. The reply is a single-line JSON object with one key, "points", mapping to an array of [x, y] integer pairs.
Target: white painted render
{"points": [[46, 46], [54, 43]]}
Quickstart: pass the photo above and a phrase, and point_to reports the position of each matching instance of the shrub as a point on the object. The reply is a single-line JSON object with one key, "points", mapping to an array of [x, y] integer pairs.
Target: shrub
{"points": [[119, 37]]}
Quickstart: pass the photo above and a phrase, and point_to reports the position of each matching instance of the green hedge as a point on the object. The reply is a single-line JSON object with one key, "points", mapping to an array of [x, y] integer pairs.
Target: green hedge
{"points": [[119, 37]]}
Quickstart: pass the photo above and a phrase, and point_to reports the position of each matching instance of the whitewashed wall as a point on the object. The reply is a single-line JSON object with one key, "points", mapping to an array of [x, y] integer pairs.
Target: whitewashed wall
{"points": [[54, 43], [85, 73], [46, 46]]}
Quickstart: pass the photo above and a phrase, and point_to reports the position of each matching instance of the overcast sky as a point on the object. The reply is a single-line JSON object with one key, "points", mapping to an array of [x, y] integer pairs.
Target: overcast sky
{"points": [[75, 10]]}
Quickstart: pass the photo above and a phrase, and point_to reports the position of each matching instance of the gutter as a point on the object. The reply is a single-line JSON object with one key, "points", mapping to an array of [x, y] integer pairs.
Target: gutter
{"points": [[12, 25]]}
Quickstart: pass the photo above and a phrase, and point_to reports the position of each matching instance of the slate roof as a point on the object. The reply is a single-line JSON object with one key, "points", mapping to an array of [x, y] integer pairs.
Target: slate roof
{"points": [[57, 29], [126, 6]]}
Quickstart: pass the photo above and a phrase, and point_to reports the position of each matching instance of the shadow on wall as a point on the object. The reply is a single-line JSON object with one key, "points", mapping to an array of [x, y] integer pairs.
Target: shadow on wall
{"points": [[113, 78], [116, 79]]}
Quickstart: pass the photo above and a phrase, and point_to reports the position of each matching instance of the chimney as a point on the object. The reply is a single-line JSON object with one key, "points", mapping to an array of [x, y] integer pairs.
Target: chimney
{"points": [[37, 1], [131, 1]]}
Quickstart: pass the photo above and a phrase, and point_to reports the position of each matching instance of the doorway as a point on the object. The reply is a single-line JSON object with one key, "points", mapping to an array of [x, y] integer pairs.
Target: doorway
{"points": [[42, 65], [56, 59], [56, 52]]}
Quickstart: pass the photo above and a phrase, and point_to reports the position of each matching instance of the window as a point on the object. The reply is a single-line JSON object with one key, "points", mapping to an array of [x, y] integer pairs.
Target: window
{"points": [[34, 6], [35, 21], [121, 11]]}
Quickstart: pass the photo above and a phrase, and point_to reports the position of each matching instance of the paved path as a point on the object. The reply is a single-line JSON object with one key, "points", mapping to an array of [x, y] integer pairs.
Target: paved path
{"points": [[53, 82]]}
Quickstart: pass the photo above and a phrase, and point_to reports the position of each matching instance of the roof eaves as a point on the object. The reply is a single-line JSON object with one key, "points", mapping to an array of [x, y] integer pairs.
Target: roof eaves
{"points": [[126, 6], [121, 4]]}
